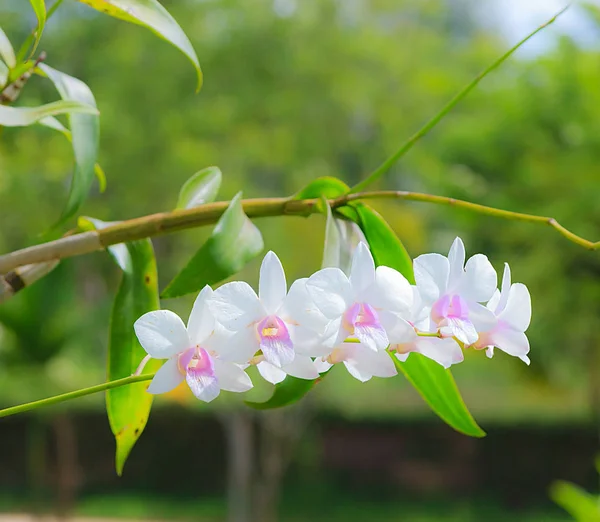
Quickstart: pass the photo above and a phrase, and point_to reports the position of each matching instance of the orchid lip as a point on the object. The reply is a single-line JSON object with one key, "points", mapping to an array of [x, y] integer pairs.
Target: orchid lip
{"points": [[360, 314], [275, 341], [196, 361]]}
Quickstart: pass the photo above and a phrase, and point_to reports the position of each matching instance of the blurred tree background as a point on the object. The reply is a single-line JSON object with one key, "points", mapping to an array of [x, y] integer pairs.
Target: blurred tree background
{"points": [[300, 89]]}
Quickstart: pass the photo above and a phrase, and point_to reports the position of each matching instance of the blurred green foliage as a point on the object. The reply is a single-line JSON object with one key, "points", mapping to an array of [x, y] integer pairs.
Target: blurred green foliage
{"points": [[330, 89]]}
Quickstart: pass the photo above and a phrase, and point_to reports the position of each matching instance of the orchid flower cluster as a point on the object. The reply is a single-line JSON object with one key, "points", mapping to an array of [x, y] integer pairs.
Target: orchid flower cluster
{"points": [[361, 320]]}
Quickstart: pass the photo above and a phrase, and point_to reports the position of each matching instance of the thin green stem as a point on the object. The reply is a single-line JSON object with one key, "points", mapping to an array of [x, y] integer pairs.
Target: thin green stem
{"points": [[74, 394], [52, 10], [473, 207], [387, 164]]}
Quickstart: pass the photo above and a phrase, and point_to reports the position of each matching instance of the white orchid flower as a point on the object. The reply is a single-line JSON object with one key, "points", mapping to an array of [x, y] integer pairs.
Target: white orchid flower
{"points": [[192, 353], [453, 291], [362, 305], [361, 361], [271, 321], [512, 307], [413, 336]]}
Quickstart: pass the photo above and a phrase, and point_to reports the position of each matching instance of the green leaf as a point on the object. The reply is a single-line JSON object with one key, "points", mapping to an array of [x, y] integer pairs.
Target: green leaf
{"points": [[437, 387], [386, 247], [235, 241], [326, 186], [24, 116], [85, 130], [152, 15], [128, 407], [52, 123], [7, 52], [201, 188], [580, 504], [287, 392], [39, 7]]}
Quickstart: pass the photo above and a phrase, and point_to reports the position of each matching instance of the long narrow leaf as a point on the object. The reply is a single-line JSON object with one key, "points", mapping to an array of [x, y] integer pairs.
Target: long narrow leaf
{"points": [[150, 14], [7, 52], [24, 116], [39, 6], [289, 391], [85, 131], [128, 407]]}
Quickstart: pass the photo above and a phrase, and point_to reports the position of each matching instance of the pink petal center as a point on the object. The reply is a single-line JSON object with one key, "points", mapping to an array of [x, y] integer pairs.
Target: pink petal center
{"points": [[196, 361], [275, 341], [360, 315], [272, 328], [450, 307]]}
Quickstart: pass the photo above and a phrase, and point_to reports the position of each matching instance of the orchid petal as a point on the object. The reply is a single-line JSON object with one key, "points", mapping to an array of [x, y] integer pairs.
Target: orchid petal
{"points": [[270, 373], [518, 307], [443, 351], [362, 272], [482, 318], [398, 330], [463, 330], [357, 372], [391, 291], [167, 378], [330, 291], [238, 347], [456, 261], [307, 342], [321, 365], [377, 364], [275, 341], [431, 275], [235, 305], [204, 387], [201, 322], [402, 356], [299, 308], [479, 280], [494, 303], [302, 367], [511, 341], [161, 333], [231, 377], [272, 286], [505, 289]]}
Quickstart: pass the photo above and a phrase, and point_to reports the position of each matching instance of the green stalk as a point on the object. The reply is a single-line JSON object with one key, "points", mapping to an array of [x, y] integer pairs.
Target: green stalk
{"points": [[387, 164], [74, 394]]}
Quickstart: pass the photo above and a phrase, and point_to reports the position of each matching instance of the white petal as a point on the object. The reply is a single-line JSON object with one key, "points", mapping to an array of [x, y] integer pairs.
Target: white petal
{"points": [[398, 330], [235, 305], [479, 280], [299, 308], [321, 365], [162, 334], [443, 351], [456, 260], [518, 307], [201, 322], [167, 378], [483, 319], [373, 337], [525, 359], [391, 291], [464, 331], [368, 362], [493, 303], [431, 275], [272, 286], [231, 377], [362, 272], [302, 367], [402, 356], [203, 387], [357, 372], [489, 352], [505, 289], [238, 347], [330, 291], [511, 341], [307, 342], [270, 373]]}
